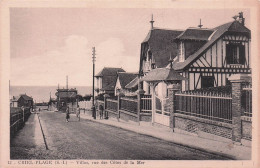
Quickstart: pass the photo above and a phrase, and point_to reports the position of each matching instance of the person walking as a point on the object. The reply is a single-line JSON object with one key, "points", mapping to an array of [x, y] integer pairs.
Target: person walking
{"points": [[67, 114], [101, 111], [78, 112]]}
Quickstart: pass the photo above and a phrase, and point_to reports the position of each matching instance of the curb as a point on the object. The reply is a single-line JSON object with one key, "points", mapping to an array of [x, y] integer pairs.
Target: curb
{"points": [[44, 139]]}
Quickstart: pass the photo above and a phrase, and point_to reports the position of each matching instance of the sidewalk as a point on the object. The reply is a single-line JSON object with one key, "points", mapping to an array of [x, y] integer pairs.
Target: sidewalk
{"points": [[227, 148], [28, 143]]}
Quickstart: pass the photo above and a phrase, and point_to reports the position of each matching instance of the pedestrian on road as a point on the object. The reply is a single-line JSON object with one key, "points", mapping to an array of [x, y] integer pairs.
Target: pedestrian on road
{"points": [[67, 114], [101, 111], [78, 112]]}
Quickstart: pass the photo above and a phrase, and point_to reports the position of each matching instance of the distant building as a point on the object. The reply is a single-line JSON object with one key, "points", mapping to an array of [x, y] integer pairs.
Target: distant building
{"points": [[106, 80], [66, 97], [14, 101], [25, 101]]}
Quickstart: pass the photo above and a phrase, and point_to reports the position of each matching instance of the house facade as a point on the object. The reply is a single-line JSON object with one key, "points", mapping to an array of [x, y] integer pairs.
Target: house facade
{"points": [[206, 57]]}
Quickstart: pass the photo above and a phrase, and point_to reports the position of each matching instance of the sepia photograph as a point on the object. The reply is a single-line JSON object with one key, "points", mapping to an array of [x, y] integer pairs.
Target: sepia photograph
{"points": [[133, 85]]}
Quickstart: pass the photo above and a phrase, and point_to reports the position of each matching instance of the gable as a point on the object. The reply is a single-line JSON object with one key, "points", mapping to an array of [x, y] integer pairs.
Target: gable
{"points": [[118, 85], [219, 31], [125, 78]]}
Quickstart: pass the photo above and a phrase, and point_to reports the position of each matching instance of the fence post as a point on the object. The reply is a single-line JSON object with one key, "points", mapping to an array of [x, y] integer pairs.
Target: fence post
{"points": [[118, 105], [23, 113], [237, 81], [172, 89], [105, 105], [139, 101]]}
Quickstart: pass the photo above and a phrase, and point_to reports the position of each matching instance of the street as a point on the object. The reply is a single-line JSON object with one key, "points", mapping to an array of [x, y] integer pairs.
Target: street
{"points": [[91, 140]]}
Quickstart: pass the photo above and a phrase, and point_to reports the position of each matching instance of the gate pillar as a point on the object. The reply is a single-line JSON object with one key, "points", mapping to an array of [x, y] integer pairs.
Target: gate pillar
{"points": [[153, 100], [237, 81], [172, 89]]}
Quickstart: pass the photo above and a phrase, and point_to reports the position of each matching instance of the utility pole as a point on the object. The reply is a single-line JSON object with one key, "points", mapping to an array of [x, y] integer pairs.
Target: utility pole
{"points": [[93, 91], [67, 89]]}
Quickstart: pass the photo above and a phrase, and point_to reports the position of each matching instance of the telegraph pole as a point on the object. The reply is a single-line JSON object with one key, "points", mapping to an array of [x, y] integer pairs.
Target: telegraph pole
{"points": [[93, 91], [67, 94]]}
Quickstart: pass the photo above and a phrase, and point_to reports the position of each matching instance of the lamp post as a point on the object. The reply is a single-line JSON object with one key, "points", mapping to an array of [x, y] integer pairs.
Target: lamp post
{"points": [[93, 91]]}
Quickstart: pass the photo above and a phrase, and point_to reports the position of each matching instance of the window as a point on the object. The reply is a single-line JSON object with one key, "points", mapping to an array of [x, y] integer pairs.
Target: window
{"points": [[235, 53], [181, 52], [207, 81]]}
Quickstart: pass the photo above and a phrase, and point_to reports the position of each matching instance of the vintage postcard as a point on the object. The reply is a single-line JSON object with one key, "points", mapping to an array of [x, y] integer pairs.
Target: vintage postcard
{"points": [[129, 83]]}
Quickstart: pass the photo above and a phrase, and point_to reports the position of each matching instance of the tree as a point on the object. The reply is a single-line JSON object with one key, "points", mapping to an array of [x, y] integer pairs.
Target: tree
{"points": [[87, 97]]}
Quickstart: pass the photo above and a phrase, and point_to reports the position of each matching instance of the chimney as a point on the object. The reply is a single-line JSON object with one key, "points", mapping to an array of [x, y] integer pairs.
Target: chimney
{"points": [[241, 18]]}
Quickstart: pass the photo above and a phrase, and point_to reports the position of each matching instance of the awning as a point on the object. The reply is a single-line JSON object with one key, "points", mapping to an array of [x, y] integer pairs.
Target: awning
{"points": [[163, 74]]}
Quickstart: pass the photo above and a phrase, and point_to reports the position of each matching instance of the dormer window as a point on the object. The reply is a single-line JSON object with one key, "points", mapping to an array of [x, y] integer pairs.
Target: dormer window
{"points": [[235, 53]]}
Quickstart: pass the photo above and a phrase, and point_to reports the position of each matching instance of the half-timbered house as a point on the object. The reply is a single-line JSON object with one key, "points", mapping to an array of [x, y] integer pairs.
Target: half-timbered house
{"points": [[206, 57]]}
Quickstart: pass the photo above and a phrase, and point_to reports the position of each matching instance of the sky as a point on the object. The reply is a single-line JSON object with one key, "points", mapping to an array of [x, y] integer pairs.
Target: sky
{"points": [[49, 43]]}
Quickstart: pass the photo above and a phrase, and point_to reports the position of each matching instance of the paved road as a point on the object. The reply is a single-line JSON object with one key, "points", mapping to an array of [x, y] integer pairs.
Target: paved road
{"points": [[91, 140]]}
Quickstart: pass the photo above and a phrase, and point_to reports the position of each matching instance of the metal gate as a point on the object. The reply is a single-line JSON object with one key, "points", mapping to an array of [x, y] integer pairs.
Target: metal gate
{"points": [[162, 111]]}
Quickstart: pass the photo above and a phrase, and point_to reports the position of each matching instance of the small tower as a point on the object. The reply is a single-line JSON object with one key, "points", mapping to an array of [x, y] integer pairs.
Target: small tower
{"points": [[152, 22]]}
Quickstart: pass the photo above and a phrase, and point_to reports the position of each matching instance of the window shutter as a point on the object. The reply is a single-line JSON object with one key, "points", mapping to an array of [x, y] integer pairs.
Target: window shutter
{"points": [[242, 58], [229, 54]]}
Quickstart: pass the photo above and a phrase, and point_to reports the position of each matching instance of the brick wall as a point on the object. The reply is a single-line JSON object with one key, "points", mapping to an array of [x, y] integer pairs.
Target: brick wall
{"points": [[194, 124]]}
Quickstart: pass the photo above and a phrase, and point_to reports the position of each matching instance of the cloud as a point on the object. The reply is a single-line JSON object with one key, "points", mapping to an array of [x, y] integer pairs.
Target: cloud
{"points": [[111, 53], [72, 59]]}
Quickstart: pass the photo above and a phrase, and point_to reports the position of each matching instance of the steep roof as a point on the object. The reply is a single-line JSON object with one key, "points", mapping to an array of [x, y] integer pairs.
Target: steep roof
{"points": [[25, 97], [108, 82], [162, 45], [125, 78], [234, 26], [195, 34], [132, 84], [109, 71]]}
